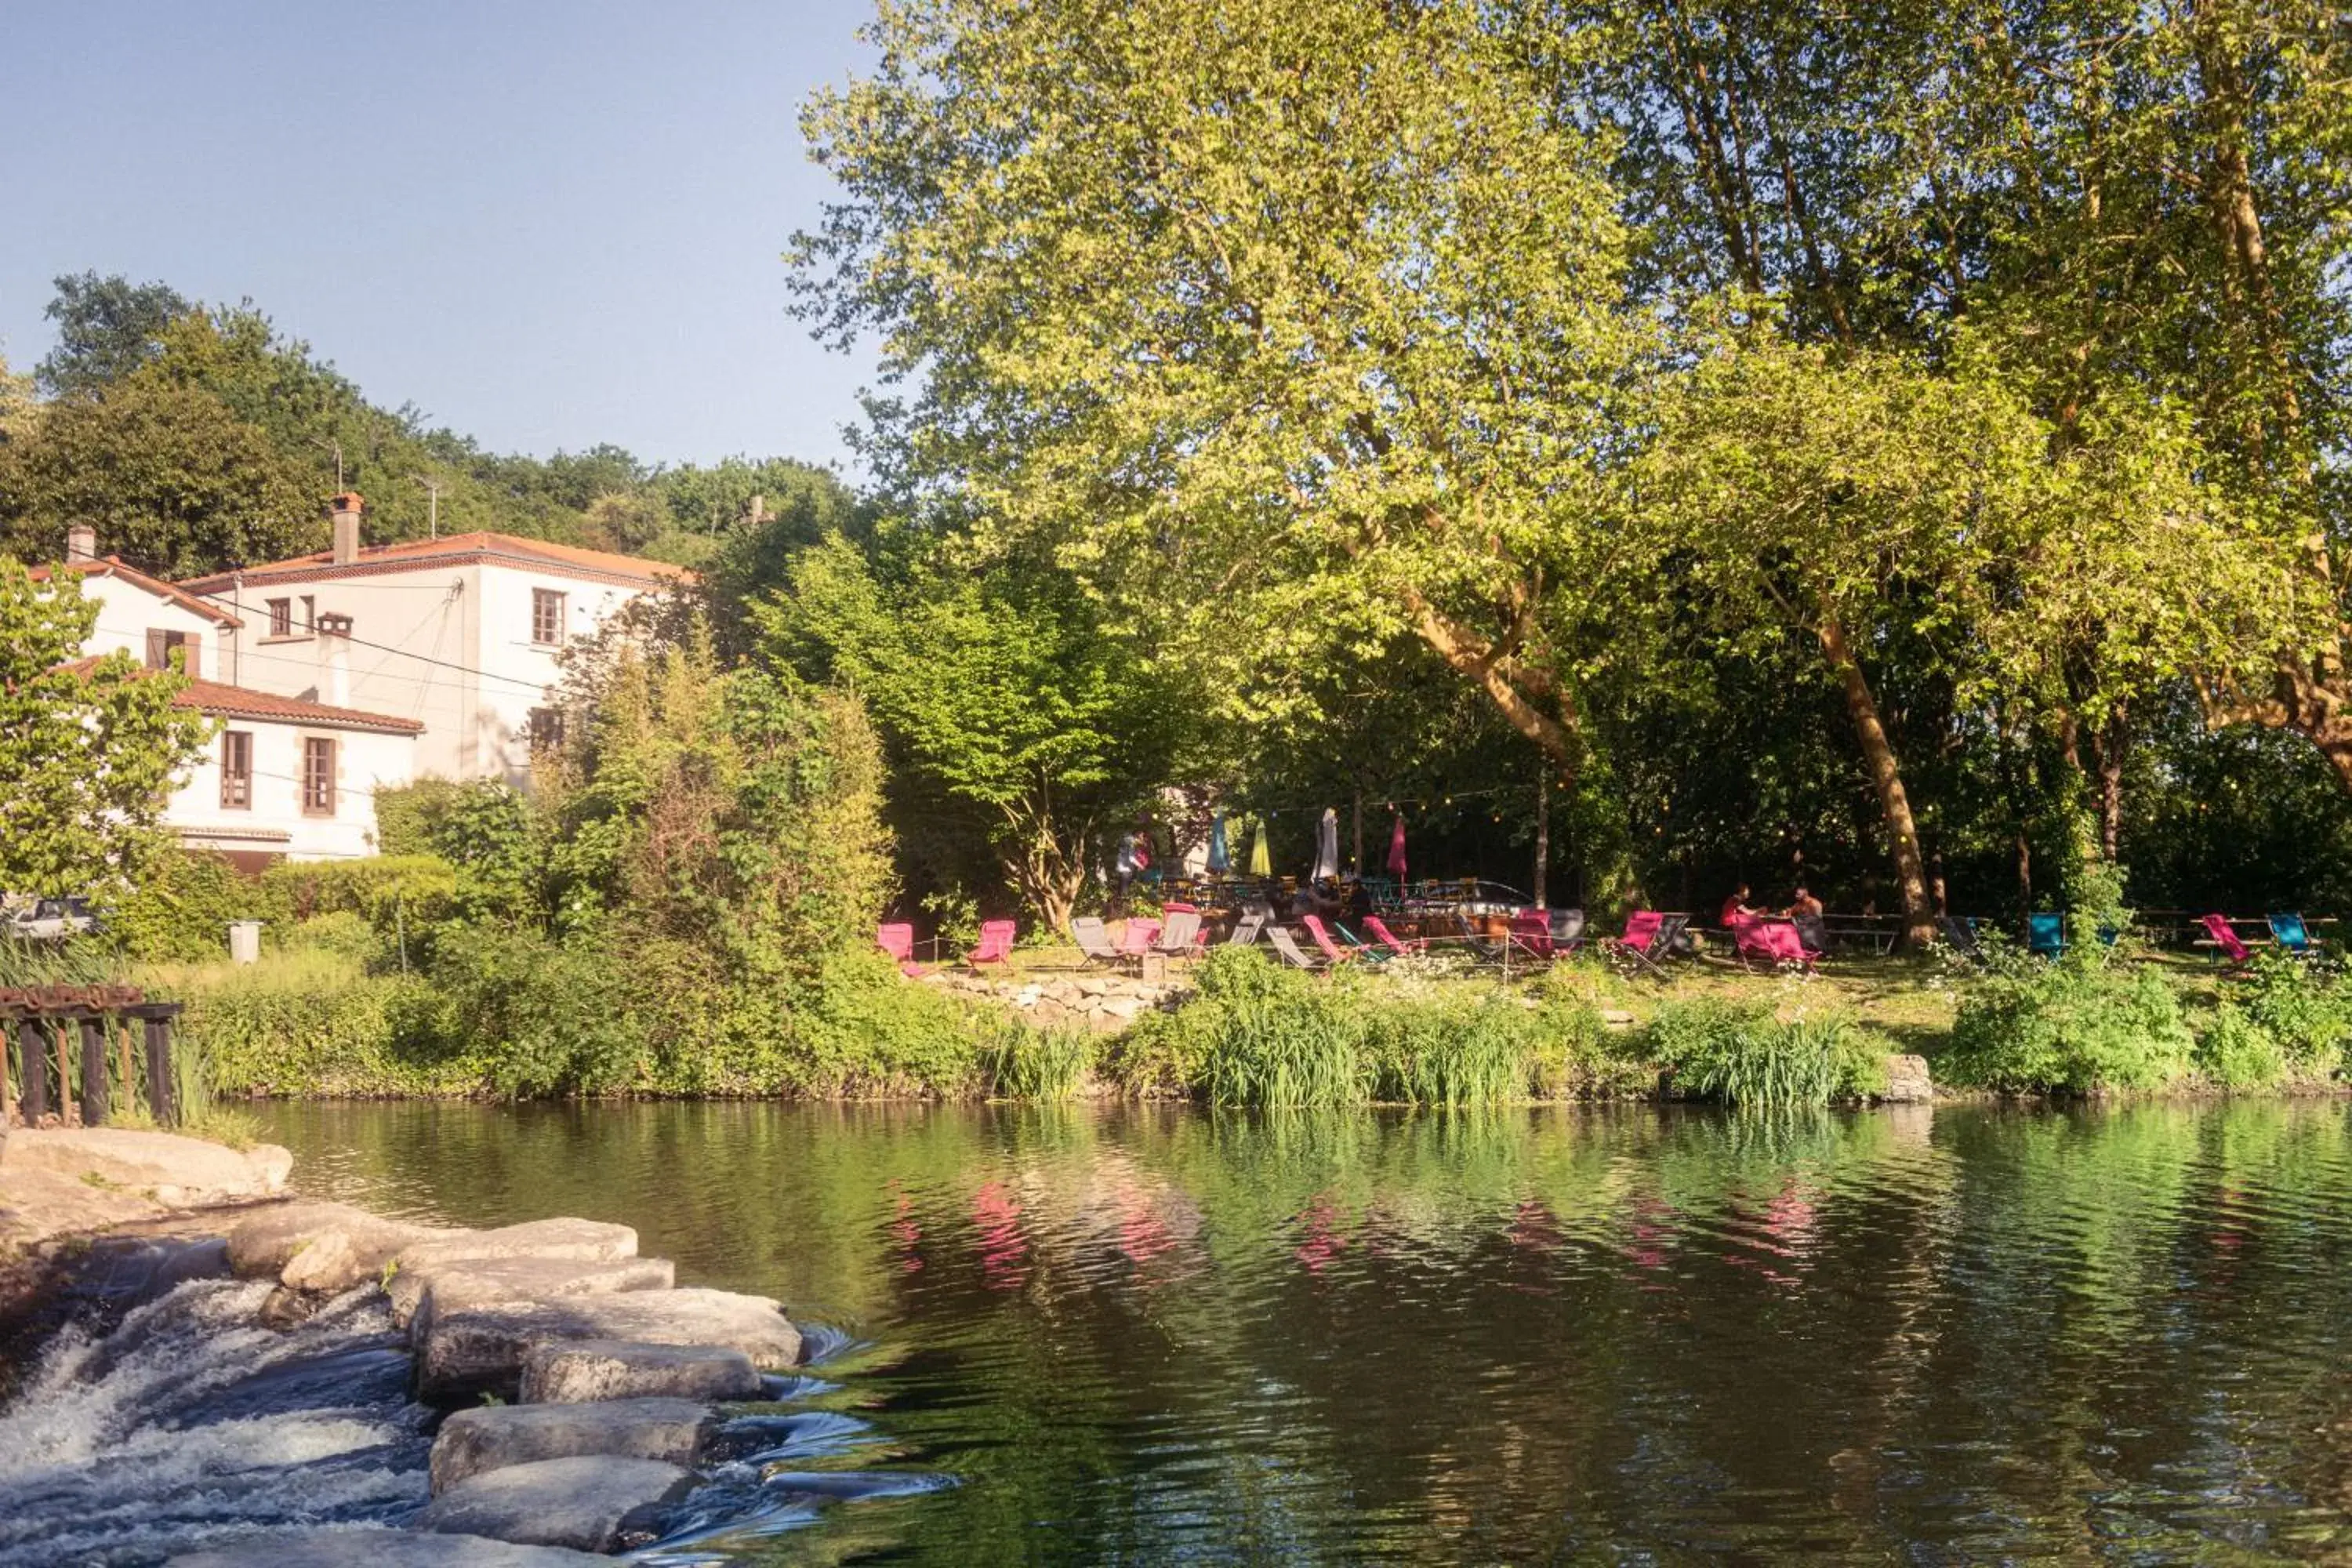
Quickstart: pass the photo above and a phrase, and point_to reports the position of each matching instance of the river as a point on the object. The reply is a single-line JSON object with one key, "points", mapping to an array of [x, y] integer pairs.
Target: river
{"points": [[1629, 1335]]}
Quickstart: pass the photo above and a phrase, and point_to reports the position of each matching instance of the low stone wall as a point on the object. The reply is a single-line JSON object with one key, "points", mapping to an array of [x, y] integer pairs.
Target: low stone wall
{"points": [[1106, 1003]]}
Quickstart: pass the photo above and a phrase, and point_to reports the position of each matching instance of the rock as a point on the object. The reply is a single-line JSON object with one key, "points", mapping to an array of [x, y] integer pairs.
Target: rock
{"points": [[581, 1240], [461, 1282], [1908, 1080], [578, 1502], [1123, 1009], [480, 1350], [581, 1369], [318, 1246], [373, 1548], [164, 1167], [475, 1442], [1616, 1017]]}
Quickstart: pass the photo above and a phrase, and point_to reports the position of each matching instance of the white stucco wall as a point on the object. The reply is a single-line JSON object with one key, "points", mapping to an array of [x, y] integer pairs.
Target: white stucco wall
{"points": [[365, 761], [126, 612]]}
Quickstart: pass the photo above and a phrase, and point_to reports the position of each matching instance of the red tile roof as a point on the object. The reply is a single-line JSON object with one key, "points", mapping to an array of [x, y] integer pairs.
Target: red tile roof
{"points": [[112, 566], [241, 702], [415, 554]]}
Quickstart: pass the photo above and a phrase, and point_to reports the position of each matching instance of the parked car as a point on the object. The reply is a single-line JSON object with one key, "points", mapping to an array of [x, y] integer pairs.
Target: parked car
{"points": [[50, 919]]}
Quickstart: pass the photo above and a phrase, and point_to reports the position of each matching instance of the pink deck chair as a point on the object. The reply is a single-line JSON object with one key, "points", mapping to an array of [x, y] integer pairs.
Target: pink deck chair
{"points": [[2234, 946], [995, 944], [897, 939], [1136, 937], [1531, 933], [1774, 942], [1377, 928], [1332, 951]]}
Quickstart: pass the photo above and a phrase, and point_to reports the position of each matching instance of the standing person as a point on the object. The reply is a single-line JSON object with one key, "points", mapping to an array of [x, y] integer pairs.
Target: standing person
{"points": [[1134, 858], [1736, 908]]}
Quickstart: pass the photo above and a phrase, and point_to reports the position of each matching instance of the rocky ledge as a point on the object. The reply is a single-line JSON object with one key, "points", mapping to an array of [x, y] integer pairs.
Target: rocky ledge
{"points": [[61, 1181], [1105, 1004], [607, 1374]]}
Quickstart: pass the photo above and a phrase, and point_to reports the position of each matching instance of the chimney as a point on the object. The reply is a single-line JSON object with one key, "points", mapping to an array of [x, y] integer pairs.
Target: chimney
{"points": [[81, 542], [335, 650], [347, 527]]}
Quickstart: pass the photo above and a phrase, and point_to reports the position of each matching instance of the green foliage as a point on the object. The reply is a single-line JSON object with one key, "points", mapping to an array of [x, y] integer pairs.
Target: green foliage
{"points": [[541, 1016], [179, 910], [2080, 1025], [107, 329], [309, 1022], [2237, 1053], [1042, 1065], [87, 756], [860, 1029], [1746, 1056], [2307, 1009], [375, 887]]}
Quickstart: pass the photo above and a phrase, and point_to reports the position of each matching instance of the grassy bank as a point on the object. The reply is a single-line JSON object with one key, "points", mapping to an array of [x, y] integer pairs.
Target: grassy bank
{"points": [[523, 1021]]}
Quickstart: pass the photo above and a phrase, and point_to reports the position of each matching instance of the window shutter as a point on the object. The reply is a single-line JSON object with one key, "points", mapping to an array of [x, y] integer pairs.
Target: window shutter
{"points": [[193, 646], [159, 649]]}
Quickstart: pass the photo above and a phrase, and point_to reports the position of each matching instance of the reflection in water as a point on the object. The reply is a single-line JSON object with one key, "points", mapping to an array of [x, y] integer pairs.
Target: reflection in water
{"points": [[1147, 1334]]}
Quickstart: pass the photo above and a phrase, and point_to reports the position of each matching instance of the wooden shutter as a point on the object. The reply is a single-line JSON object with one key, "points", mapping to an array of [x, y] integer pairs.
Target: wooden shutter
{"points": [[318, 777], [236, 769], [159, 649]]}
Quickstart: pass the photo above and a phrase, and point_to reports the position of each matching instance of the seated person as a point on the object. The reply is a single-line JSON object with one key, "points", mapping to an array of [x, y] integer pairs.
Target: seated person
{"points": [[1735, 908], [1803, 905]]}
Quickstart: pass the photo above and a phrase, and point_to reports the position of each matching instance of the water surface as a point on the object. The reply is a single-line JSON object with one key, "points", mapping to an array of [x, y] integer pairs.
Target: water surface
{"points": [[1640, 1335]]}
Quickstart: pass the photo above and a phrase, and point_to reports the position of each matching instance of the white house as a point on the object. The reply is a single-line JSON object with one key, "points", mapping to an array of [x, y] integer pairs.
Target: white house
{"points": [[285, 778], [461, 635]]}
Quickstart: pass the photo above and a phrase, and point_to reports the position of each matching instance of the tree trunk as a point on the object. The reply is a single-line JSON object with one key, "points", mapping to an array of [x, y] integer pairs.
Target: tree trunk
{"points": [[1543, 841], [1894, 802], [2107, 746], [1513, 686]]}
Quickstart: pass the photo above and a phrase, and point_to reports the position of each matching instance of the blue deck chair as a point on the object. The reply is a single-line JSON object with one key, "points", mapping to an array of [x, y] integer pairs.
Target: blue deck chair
{"points": [[2291, 933], [2045, 935]]}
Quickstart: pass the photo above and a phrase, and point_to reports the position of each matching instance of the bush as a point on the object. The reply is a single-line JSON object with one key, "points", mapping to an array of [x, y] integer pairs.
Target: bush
{"points": [[2080, 1025], [861, 1028], [374, 887], [1459, 1046], [2307, 1010], [2236, 1052], [546, 1018], [313, 1023], [180, 910], [1742, 1054]]}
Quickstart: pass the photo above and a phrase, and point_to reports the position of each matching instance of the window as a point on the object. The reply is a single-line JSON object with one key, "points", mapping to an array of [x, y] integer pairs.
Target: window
{"points": [[547, 617], [281, 617], [546, 729], [318, 777], [159, 648], [236, 769]]}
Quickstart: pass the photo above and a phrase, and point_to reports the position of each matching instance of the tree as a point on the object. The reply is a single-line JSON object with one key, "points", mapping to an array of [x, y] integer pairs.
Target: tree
{"points": [[107, 328], [1292, 322], [88, 753], [18, 412], [171, 479], [1002, 691]]}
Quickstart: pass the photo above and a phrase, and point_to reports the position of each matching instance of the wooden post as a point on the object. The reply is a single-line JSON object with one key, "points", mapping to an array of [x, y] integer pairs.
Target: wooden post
{"points": [[59, 1049], [1543, 839], [160, 1087], [93, 1068], [7, 1094], [118, 1029], [30, 1058]]}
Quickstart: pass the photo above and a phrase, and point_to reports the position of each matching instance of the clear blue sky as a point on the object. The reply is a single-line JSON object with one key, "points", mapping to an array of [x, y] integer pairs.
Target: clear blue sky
{"points": [[547, 223]]}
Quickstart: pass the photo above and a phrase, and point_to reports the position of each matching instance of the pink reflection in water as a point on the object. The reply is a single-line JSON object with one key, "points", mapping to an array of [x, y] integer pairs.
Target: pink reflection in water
{"points": [[1323, 1241], [1003, 1250]]}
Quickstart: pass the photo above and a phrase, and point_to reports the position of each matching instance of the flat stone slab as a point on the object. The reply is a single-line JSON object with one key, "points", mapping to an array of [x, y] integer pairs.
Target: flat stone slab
{"points": [[1908, 1081], [463, 1282], [579, 1240], [161, 1166], [580, 1503], [366, 1548], [577, 1370], [476, 1442], [320, 1247], [482, 1350]]}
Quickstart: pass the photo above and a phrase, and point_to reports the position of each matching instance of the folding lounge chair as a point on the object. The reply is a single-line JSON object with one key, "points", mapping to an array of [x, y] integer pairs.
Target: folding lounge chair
{"points": [[1246, 931], [1094, 940], [1180, 936], [1396, 947], [1960, 936], [1650, 939], [1531, 934], [995, 944], [896, 939], [1135, 938], [2224, 939], [1811, 932], [2045, 935], [1567, 930], [1331, 951], [1286, 948], [1775, 941], [2289, 931]]}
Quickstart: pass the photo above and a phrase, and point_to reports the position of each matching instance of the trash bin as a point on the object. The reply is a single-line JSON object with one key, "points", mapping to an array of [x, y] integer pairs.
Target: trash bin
{"points": [[244, 942]]}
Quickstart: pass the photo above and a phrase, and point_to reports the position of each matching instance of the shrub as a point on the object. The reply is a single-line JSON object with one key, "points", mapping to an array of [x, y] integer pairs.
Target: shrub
{"points": [[546, 1018], [1743, 1055], [312, 1022], [1459, 1046], [180, 910], [860, 1027], [2079, 1026], [373, 888], [1049, 1064], [2236, 1052], [2307, 1010], [1274, 1036]]}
